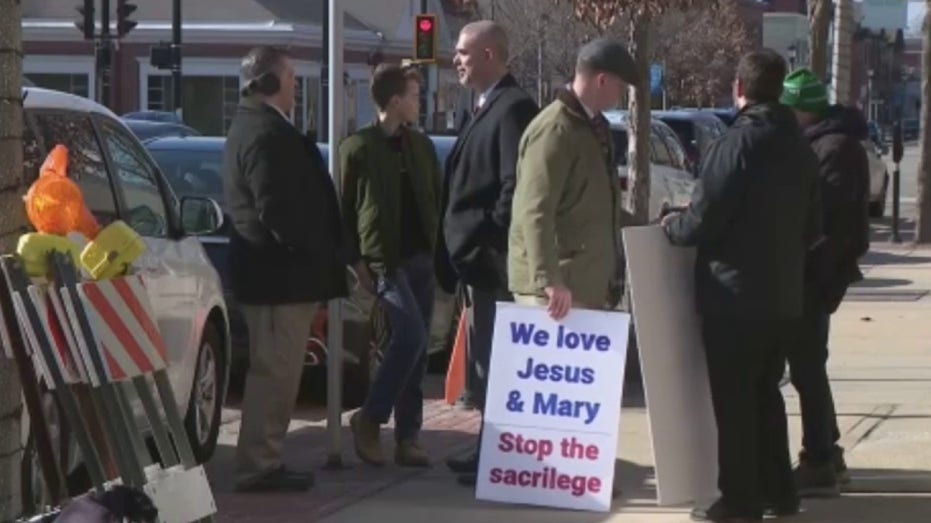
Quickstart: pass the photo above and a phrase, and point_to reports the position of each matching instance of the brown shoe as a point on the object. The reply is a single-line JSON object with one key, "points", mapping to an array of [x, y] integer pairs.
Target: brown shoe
{"points": [[367, 437], [409, 453]]}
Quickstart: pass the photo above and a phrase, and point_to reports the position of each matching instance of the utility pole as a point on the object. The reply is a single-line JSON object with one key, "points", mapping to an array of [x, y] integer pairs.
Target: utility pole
{"points": [[104, 55], [176, 60], [323, 120], [426, 95]]}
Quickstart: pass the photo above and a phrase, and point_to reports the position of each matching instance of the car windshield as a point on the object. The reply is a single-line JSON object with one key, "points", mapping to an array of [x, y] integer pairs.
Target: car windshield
{"points": [[193, 173]]}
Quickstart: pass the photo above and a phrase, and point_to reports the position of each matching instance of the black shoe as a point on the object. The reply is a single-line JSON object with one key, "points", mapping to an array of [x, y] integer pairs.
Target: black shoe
{"points": [[466, 465], [719, 512], [467, 479], [782, 509], [840, 466], [279, 480], [816, 480]]}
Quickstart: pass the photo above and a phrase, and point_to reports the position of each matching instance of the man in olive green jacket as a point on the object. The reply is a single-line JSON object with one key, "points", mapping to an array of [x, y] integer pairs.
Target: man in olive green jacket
{"points": [[390, 205], [563, 242]]}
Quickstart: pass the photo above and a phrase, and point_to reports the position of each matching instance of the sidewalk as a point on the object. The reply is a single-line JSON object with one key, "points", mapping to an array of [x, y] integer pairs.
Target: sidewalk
{"points": [[881, 373]]}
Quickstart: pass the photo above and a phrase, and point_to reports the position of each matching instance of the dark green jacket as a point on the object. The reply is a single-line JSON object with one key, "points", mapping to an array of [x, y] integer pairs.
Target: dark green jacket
{"points": [[371, 193]]}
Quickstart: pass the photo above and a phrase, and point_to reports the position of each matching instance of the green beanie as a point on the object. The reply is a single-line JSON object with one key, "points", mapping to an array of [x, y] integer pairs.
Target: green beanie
{"points": [[803, 91]]}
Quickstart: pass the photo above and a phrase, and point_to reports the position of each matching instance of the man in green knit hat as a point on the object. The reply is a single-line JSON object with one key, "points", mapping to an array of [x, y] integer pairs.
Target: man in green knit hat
{"points": [[835, 133]]}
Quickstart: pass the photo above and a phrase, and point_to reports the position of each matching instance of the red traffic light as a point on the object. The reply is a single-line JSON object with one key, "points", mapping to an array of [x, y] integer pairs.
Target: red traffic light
{"points": [[425, 38]]}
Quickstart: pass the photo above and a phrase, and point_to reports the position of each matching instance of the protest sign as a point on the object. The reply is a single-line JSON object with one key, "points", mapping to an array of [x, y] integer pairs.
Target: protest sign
{"points": [[553, 407], [672, 362]]}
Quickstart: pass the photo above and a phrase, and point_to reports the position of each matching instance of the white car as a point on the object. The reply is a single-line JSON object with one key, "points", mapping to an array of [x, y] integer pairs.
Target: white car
{"points": [[120, 180], [879, 178]]}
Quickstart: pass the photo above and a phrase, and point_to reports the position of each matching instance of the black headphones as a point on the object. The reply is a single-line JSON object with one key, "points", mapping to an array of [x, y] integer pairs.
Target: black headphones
{"points": [[266, 84]]}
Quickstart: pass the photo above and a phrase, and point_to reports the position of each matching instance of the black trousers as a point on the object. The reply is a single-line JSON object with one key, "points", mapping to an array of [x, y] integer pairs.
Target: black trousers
{"points": [[808, 356], [745, 365]]}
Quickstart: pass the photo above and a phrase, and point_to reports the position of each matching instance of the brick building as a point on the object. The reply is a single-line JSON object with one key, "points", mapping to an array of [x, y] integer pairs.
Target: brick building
{"points": [[215, 35]]}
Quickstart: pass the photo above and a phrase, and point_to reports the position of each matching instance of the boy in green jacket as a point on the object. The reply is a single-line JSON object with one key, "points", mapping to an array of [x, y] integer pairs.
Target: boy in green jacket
{"points": [[390, 206]]}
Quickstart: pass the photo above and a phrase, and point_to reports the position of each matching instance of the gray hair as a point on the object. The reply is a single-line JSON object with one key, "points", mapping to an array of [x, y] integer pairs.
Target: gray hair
{"points": [[491, 34]]}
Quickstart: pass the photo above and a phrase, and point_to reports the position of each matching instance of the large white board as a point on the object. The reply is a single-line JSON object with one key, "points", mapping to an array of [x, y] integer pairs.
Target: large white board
{"points": [[672, 361], [553, 410]]}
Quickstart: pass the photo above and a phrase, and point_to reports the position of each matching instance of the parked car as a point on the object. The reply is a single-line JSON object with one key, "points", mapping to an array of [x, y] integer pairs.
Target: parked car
{"points": [[879, 176], [193, 166], [120, 181], [153, 116], [671, 181], [697, 130], [147, 130]]}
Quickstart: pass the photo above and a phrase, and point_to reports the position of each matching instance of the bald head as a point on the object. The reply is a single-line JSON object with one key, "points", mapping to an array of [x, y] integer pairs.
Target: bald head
{"points": [[481, 54], [491, 35]]}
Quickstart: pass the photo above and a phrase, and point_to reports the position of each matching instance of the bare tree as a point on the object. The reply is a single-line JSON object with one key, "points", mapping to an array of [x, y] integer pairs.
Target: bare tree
{"points": [[923, 230], [700, 49], [640, 15], [544, 38], [12, 218], [819, 22]]}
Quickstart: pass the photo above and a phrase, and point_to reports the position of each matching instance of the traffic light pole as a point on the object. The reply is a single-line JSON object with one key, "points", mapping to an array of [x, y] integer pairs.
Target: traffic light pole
{"points": [[104, 55], [323, 119], [426, 70], [178, 95]]}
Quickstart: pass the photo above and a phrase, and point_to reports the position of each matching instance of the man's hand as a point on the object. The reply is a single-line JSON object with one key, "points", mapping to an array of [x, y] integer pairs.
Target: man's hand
{"points": [[364, 276], [669, 218], [560, 301]]}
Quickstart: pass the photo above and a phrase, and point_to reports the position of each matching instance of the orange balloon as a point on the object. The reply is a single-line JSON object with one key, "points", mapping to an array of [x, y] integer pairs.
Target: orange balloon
{"points": [[55, 204]]}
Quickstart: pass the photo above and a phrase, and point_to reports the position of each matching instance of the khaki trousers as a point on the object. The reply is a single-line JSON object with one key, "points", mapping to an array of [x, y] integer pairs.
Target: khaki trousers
{"points": [[531, 300], [277, 344]]}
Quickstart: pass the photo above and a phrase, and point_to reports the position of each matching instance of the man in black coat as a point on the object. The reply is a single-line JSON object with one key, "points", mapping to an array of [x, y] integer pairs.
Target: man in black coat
{"points": [[285, 258], [753, 216], [478, 189], [835, 133]]}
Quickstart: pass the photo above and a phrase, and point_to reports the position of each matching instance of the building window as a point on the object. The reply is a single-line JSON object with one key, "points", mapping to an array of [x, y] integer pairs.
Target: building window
{"points": [[209, 101], [307, 103], [77, 84]]}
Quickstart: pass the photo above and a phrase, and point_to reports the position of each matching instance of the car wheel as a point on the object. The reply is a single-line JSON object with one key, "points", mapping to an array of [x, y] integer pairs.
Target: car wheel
{"points": [[878, 208], [202, 421]]}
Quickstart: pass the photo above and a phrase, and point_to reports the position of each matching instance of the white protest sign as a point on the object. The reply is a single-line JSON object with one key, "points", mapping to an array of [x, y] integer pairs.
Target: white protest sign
{"points": [[672, 362], [554, 403]]}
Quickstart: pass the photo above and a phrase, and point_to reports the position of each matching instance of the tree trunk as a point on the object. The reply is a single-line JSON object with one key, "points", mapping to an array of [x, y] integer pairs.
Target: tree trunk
{"points": [[843, 42], [923, 231], [638, 150], [819, 19], [12, 217]]}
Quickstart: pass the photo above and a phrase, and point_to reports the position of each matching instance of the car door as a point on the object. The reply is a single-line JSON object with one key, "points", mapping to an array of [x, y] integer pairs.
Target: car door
{"points": [[170, 264]]}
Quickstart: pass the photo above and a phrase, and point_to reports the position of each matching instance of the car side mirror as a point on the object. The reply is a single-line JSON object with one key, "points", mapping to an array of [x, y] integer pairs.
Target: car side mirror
{"points": [[200, 216]]}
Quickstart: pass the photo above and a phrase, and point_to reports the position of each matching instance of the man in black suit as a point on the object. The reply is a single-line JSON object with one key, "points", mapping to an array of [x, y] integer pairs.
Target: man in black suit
{"points": [[479, 186], [285, 259]]}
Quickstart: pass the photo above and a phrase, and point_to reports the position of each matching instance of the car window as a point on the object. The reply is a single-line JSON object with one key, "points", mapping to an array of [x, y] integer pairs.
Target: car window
{"points": [[620, 146], [676, 151], [661, 154], [197, 172], [138, 178], [86, 165]]}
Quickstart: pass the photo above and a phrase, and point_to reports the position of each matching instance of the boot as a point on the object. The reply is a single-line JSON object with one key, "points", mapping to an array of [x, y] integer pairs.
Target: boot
{"points": [[409, 453], [367, 437], [816, 480], [840, 466]]}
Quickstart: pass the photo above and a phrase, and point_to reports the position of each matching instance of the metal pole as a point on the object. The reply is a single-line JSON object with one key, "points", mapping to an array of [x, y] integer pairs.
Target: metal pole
{"points": [[176, 59], [896, 237], [323, 122], [425, 92], [103, 59], [334, 319]]}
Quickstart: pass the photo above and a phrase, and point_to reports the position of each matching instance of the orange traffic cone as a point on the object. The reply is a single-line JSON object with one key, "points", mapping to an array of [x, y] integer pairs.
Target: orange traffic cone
{"points": [[456, 372]]}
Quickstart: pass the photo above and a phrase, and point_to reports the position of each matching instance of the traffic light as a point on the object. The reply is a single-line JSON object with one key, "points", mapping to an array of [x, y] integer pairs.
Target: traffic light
{"points": [[85, 24], [123, 24], [425, 38]]}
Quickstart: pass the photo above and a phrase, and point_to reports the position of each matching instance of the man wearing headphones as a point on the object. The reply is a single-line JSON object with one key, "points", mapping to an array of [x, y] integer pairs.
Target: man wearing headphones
{"points": [[285, 259]]}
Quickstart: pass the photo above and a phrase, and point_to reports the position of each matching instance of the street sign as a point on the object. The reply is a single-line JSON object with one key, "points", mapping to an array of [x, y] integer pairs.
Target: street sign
{"points": [[657, 79]]}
